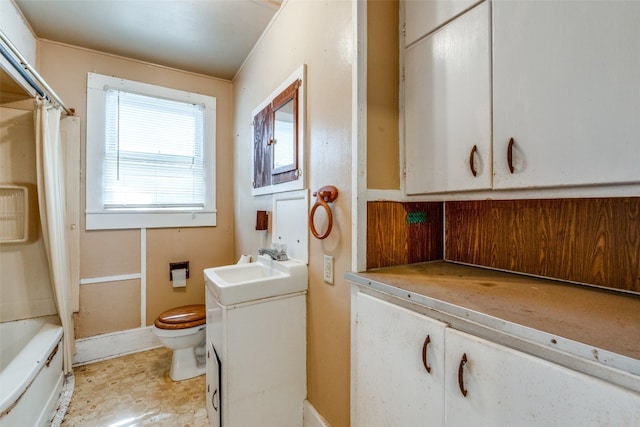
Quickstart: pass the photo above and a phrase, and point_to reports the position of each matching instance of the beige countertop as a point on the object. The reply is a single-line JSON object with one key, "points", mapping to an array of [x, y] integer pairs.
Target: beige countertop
{"points": [[606, 320]]}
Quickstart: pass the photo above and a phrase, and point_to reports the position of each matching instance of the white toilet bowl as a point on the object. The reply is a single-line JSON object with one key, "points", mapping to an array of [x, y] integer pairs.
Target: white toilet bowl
{"points": [[182, 329]]}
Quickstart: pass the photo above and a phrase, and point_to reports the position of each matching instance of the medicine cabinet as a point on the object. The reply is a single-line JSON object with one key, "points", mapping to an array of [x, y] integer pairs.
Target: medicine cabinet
{"points": [[278, 138]]}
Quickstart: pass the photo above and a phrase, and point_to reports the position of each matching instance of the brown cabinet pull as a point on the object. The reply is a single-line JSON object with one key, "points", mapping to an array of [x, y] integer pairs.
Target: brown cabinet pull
{"points": [[474, 150], [213, 400], [510, 154], [463, 361], [427, 340]]}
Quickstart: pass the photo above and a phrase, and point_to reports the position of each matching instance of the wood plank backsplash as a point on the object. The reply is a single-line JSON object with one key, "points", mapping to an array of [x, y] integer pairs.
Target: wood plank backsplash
{"points": [[403, 233], [592, 241]]}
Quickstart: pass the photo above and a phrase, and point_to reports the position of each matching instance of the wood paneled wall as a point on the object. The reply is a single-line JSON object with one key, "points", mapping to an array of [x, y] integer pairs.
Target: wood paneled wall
{"points": [[593, 241], [403, 233]]}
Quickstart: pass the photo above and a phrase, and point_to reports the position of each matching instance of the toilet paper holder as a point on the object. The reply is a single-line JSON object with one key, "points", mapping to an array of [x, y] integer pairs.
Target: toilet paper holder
{"points": [[178, 266]]}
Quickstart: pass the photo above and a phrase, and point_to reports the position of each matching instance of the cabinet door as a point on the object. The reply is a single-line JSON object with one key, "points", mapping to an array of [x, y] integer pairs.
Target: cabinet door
{"points": [[565, 81], [505, 387], [390, 382], [214, 387], [422, 17], [448, 107]]}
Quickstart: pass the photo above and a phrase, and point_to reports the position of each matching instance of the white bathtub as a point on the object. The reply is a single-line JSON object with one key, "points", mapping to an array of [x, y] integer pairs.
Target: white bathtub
{"points": [[30, 371]]}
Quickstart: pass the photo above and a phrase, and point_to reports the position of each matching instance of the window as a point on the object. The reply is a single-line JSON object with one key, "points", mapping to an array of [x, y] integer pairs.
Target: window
{"points": [[150, 156]]}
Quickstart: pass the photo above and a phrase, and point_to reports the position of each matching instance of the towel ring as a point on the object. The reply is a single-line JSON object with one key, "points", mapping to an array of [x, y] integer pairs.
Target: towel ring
{"points": [[324, 196]]}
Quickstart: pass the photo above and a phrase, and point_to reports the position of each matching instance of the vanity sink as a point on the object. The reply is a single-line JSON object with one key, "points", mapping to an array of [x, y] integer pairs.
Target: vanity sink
{"points": [[237, 283]]}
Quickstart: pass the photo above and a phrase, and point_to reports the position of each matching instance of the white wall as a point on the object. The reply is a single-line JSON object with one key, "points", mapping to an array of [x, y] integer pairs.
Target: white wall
{"points": [[319, 34]]}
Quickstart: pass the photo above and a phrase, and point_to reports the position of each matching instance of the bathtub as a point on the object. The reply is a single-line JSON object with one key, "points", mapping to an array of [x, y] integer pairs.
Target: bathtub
{"points": [[31, 375]]}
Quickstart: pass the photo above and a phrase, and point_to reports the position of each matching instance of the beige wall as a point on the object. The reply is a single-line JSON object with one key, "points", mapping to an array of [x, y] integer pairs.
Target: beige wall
{"points": [[319, 35], [383, 151], [114, 306]]}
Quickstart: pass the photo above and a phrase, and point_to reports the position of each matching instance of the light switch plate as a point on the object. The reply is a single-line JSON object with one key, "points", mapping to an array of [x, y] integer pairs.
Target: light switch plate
{"points": [[327, 269]]}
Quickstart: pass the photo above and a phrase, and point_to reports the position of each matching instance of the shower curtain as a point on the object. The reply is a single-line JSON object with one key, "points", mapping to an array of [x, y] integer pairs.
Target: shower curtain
{"points": [[51, 201]]}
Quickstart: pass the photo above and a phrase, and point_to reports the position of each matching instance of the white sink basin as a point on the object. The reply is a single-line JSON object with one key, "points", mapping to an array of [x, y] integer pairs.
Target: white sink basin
{"points": [[233, 284]]}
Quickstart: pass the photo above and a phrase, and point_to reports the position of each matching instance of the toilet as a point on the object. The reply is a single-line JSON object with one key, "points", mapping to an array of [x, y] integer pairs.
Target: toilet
{"points": [[182, 329]]}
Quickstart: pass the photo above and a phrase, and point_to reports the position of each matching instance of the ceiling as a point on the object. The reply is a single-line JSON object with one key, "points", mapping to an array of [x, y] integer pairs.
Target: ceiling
{"points": [[211, 37]]}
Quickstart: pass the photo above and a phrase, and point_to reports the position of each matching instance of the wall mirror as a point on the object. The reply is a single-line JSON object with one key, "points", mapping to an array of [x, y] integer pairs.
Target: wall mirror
{"points": [[285, 153], [278, 138]]}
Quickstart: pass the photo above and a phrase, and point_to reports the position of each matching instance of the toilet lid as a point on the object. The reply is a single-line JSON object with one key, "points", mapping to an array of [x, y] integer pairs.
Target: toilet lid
{"points": [[187, 316]]}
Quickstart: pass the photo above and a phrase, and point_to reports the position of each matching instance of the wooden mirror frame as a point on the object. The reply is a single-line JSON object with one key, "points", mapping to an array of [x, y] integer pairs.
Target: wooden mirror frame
{"points": [[267, 177]]}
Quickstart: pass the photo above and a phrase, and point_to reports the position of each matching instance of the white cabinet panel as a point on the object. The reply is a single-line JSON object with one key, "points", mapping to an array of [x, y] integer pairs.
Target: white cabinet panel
{"points": [[508, 388], [565, 85], [494, 386], [213, 386], [423, 16], [448, 107], [391, 385], [256, 366]]}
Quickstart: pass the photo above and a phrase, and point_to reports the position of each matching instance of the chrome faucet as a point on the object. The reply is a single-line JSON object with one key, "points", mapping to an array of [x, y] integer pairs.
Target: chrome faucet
{"points": [[275, 254]]}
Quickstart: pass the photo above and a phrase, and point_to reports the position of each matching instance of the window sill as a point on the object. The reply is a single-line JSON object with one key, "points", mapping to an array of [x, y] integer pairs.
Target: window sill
{"points": [[137, 220]]}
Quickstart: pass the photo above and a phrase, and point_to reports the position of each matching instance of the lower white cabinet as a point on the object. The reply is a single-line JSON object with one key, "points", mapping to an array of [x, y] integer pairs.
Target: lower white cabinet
{"points": [[472, 381], [506, 387], [393, 350]]}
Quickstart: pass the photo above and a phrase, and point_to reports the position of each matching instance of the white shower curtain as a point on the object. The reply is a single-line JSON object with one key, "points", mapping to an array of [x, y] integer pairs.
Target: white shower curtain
{"points": [[51, 201]]}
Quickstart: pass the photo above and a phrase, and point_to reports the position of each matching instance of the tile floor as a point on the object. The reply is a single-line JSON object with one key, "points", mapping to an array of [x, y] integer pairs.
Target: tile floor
{"points": [[135, 390]]}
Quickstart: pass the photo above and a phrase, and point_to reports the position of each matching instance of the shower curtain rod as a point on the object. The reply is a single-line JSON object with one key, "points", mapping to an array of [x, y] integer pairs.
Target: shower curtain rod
{"points": [[23, 65]]}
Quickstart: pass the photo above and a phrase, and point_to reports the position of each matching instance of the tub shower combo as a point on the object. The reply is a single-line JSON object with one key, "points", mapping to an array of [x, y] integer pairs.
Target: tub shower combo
{"points": [[36, 325]]}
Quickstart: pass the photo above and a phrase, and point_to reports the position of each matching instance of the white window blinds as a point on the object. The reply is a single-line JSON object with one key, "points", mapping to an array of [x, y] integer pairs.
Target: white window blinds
{"points": [[153, 153]]}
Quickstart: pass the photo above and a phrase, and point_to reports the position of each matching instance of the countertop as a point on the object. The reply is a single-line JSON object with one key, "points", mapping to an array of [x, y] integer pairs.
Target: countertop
{"points": [[599, 318]]}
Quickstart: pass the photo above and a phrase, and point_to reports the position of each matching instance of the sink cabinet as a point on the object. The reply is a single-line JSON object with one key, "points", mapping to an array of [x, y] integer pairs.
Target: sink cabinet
{"points": [[473, 380], [256, 361]]}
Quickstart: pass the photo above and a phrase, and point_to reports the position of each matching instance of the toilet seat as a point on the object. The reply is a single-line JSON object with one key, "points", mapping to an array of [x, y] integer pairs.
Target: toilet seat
{"points": [[184, 317]]}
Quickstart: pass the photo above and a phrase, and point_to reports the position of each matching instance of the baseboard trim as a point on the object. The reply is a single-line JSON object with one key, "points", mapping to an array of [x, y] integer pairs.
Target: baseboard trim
{"points": [[311, 417], [107, 346]]}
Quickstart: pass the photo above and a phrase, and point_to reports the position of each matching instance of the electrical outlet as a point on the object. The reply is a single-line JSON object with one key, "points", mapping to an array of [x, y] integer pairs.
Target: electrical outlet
{"points": [[327, 269]]}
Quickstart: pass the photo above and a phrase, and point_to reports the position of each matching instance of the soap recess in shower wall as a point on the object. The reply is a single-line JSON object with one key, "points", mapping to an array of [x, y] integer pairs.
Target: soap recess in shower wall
{"points": [[14, 214]]}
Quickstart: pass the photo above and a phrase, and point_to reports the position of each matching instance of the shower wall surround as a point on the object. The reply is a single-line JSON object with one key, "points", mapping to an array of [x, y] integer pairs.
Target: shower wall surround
{"points": [[25, 287]]}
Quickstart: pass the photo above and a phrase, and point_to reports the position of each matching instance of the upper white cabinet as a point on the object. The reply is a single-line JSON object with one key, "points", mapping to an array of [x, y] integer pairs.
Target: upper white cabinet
{"points": [[423, 16], [566, 89], [546, 91], [448, 107]]}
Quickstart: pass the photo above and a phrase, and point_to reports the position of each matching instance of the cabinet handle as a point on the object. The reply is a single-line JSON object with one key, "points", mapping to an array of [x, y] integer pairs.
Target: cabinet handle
{"points": [[510, 154], [472, 166], [213, 400], [427, 340], [463, 361]]}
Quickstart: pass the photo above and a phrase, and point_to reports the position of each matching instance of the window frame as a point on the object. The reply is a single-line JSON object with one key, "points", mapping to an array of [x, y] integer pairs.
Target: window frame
{"points": [[100, 218]]}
